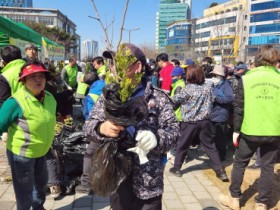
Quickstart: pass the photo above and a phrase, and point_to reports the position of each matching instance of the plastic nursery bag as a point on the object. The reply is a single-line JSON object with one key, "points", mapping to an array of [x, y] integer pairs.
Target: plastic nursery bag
{"points": [[128, 113], [109, 168]]}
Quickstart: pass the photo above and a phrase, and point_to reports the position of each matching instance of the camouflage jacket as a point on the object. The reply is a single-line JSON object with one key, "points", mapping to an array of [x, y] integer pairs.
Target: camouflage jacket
{"points": [[161, 120]]}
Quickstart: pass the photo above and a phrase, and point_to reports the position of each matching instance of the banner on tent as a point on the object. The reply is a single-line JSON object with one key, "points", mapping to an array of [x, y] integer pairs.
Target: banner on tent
{"points": [[53, 52]]}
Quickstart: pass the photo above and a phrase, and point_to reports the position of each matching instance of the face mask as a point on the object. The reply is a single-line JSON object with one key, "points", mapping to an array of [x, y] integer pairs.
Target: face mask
{"points": [[174, 80], [216, 80]]}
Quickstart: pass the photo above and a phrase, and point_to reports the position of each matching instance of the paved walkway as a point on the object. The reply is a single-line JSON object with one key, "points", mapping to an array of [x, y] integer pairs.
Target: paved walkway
{"points": [[193, 191]]}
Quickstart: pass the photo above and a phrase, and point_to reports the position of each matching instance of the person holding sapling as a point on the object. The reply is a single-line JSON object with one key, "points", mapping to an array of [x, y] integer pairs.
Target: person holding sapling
{"points": [[141, 120]]}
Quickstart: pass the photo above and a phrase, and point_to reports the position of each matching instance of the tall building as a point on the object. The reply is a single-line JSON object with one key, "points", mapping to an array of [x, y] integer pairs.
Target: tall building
{"points": [[169, 11], [48, 17], [16, 3], [89, 49], [264, 26]]}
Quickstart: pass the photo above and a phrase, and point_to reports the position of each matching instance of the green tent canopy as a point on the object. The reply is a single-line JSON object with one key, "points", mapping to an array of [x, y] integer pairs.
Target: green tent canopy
{"points": [[4, 40], [16, 30]]}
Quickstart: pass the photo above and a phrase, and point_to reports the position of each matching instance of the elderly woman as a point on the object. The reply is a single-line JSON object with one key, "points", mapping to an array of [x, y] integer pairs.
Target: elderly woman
{"points": [[195, 100], [256, 124], [29, 118]]}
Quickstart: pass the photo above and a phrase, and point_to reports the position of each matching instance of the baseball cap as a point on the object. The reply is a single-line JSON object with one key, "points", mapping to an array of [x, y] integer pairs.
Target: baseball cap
{"points": [[241, 66], [136, 51], [177, 71], [188, 62], [32, 69]]}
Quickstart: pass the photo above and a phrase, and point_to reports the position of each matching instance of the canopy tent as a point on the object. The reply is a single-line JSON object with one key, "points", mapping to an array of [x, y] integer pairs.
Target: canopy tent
{"points": [[16, 30], [4, 39], [20, 34]]}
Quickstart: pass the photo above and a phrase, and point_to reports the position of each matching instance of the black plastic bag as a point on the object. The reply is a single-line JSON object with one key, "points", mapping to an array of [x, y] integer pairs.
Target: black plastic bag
{"points": [[109, 168], [129, 113]]}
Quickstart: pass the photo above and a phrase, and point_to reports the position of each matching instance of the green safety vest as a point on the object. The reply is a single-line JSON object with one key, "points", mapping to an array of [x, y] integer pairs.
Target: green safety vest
{"points": [[179, 83], [94, 97], [261, 102], [72, 72], [11, 73], [32, 135], [101, 71], [82, 87]]}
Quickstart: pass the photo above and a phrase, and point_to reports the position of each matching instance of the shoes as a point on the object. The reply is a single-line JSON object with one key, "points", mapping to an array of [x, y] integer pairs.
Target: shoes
{"points": [[83, 189], [230, 202], [260, 206], [188, 159], [221, 174], [176, 172], [254, 167], [55, 191]]}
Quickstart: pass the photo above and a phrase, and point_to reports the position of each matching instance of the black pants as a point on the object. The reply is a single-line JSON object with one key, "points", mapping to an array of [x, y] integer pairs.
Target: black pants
{"points": [[87, 164], [243, 154], [219, 132], [199, 130], [54, 171], [125, 199]]}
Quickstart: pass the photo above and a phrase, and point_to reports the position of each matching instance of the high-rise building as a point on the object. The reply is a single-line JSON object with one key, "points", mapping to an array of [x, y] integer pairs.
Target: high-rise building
{"points": [[264, 26], [16, 3], [89, 49], [169, 11]]}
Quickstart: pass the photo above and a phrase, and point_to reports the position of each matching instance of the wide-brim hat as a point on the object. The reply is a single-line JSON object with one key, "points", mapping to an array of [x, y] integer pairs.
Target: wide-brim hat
{"points": [[218, 70], [32, 69]]}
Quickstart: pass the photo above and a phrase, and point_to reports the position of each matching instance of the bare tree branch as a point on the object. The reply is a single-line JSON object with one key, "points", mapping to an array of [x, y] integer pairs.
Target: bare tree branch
{"points": [[123, 20], [107, 41]]}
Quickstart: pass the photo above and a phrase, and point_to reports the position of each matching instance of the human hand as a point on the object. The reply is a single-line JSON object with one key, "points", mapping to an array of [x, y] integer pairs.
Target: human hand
{"points": [[4, 136], [235, 139], [110, 129], [146, 140], [141, 153]]}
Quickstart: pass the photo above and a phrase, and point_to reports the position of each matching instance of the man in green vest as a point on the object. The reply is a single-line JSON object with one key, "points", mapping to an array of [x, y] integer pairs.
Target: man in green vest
{"points": [[256, 124], [98, 64], [13, 62], [70, 71]]}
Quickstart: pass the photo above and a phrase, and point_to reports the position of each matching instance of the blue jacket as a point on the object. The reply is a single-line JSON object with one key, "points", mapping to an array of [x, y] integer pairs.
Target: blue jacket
{"points": [[222, 98], [88, 102]]}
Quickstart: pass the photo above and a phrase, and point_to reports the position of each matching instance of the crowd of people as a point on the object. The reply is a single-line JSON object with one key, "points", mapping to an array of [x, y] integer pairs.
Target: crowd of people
{"points": [[188, 104]]}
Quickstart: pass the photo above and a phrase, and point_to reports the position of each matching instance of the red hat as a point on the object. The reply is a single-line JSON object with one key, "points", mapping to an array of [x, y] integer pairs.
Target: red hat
{"points": [[32, 69]]}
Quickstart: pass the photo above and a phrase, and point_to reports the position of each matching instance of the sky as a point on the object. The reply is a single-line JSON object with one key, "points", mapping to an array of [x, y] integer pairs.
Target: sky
{"points": [[141, 14]]}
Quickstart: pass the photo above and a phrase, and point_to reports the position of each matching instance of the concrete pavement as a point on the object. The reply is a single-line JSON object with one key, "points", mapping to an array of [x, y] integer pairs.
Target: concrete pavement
{"points": [[193, 191]]}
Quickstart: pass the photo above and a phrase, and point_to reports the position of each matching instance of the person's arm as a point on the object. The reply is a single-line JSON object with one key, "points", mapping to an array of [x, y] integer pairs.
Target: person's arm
{"points": [[177, 90], [238, 107], [224, 96], [63, 74], [5, 90], [9, 113]]}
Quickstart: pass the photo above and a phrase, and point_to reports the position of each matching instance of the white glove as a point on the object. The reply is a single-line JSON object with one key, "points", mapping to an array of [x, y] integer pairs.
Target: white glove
{"points": [[4, 136], [141, 153], [235, 139], [146, 139]]}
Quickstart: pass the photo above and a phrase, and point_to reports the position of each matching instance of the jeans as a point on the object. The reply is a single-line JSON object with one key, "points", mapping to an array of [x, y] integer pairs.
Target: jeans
{"points": [[243, 154], [30, 179]]}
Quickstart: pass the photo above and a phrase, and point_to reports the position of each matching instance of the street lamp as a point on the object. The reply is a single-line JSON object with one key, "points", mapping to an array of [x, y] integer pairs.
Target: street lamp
{"points": [[129, 31]]}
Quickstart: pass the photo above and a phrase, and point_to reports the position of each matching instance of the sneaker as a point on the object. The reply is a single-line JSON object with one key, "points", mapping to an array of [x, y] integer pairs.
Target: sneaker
{"points": [[253, 167], [230, 202], [176, 172], [221, 174], [83, 189], [260, 206], [55, 191]]}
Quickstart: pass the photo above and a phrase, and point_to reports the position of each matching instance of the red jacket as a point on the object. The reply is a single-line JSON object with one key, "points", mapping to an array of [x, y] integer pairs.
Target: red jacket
{"points": [[166, 79]]}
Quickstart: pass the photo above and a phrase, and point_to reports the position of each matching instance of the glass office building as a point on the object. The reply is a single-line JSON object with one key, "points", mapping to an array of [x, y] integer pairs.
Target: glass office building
{"points": [[170, 11], [16, 3], [264, 24]]}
